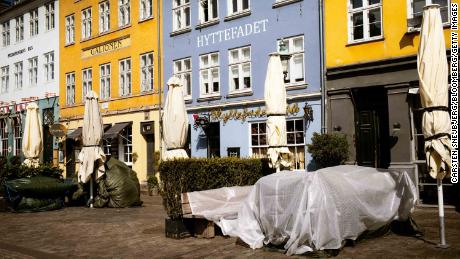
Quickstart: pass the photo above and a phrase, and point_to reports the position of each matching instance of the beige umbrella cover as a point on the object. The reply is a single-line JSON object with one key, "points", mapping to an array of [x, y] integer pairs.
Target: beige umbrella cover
{"points": [[434, 90], [32, 144], [175, 121], [275, 102], [92, 134]]}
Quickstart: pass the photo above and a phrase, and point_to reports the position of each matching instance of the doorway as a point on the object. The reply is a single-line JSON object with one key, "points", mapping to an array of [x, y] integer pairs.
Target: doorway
{"points": [[213, 137]]}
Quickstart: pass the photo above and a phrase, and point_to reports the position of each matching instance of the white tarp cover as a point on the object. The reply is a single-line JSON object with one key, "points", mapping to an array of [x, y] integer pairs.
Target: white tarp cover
{"points": [[318, 210], [32, 144]]}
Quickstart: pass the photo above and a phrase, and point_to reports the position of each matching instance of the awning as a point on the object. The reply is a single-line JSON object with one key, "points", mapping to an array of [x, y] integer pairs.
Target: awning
{"points": [[76, 134], [115, 130]]}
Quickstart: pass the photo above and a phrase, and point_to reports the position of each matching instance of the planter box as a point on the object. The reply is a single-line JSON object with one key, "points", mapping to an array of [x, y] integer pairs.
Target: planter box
{"points": [[176, 228]]}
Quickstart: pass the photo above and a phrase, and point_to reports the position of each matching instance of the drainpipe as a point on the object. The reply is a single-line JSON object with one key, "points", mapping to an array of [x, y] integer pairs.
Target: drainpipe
{"points": [[159, 76], [323, 67]]}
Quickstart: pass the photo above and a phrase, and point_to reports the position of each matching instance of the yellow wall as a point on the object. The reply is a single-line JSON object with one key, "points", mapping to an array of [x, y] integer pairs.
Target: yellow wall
{"points": [[395, 43]]}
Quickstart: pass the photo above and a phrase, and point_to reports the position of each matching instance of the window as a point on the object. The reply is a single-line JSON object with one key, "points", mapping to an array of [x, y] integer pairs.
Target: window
{"points": [[3, 137], [70, 87], [123, 12], [145, 9], [87, 82], [5, 79], [105, 81], [209, 74], [19, 28], [107, 146], [18, 75], [296, 141], [49, 66], [259, 145], [208, 10], [147, 72], [33, 22], [125, 77], [17, 136], [295, 65], [86, 23], [33, 67], [365, 20], [104, 16], [126, 148], [181, 14], [70, 29], [240, 69], [183, 70], [6, 33], [49, 16], [237, 6], [415, 12]]}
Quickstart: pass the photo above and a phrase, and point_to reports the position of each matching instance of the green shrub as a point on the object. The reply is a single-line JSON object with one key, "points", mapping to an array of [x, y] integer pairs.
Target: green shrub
{"points": [[198, 174], [152, 181], [328, 149]]}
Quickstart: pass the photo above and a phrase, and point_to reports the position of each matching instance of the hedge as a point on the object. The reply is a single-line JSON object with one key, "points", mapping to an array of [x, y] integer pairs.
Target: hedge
{"points": [[198, 174]]}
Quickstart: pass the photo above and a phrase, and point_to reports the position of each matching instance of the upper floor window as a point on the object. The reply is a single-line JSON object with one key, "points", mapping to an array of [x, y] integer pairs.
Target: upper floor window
{"points": [[145, 9], [49, 66], [33, 69], [70, 88], [104, 16], [5, 79], [33, 22], [104, 81], [181, 14], [86, 23], [124, 15], [70, 29], [147, 72], [49, 16], [87, 82], [19, 28], [18, 71], [6, 33], [208, 10], [415, 12], [295, 65], [240, 69], [209, 74], [183, 70], [237, 6], [365, 20], [125, 77]]}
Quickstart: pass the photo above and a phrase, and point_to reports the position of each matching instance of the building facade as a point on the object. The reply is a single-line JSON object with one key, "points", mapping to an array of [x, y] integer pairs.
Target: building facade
{"points": [[372, 84], [220, 51], [29, 55], [112, 48]]}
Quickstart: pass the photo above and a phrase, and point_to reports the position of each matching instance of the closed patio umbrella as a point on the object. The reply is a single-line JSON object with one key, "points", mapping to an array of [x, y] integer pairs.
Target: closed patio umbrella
{"points": [[175, 121], [433, 74], [275, 102], [32, 143]]}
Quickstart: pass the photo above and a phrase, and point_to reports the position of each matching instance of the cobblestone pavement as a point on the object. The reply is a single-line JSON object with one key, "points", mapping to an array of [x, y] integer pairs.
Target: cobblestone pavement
{"points": [[78, 232]]}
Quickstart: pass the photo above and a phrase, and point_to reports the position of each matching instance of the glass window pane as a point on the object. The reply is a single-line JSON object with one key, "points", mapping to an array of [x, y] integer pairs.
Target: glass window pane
{"points": [[356, 3], [290, 138], [290, 126], [371, 2], [254, 140], [262, 128], [263, 139], [299, 125], [298, 44]]}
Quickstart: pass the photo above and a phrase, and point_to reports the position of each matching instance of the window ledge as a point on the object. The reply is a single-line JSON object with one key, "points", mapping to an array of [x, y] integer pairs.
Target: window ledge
{"points": [[145, 19], [69, 44], [207, 24], [209, 98], [381, 38], [239, 94], [237, 15], [411, 30], [188, 100], [296, 86], [181, 31], [284, 2]]}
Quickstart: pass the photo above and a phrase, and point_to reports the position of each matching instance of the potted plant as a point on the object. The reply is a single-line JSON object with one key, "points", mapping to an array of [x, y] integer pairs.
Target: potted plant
{"points": [[152, 184]]}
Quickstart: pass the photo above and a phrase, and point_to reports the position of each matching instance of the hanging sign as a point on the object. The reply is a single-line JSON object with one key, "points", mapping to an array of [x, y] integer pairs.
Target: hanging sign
{"points": [[58, 130]]}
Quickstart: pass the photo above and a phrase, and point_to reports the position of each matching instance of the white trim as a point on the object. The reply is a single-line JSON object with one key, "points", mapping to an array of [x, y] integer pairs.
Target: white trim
{"points": [[239, 63], [365, 12]]}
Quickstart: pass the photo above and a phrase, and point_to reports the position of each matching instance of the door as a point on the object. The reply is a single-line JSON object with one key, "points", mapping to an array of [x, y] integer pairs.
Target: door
{"points": [[48, 120], [213, 135], [367, 138]]}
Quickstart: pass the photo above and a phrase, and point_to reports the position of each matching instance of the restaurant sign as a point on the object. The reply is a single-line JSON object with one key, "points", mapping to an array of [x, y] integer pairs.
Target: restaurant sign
{"points": [[58, 130], [106, 47]]}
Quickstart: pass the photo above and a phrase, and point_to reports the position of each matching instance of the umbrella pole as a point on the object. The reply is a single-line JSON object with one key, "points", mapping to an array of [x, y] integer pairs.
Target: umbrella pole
{"points": [[442, 230], [91, 196]]}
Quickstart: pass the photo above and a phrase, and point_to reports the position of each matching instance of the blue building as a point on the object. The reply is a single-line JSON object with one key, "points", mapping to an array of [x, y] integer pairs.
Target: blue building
{"points": [[220, 48]]}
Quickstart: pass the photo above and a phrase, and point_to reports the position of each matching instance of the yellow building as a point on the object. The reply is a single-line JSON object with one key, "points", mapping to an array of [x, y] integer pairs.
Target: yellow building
{"points": [[372, 82], [112, 48]]}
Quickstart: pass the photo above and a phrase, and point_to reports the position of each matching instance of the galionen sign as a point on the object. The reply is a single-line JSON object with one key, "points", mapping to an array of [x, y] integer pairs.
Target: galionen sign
{"points": [[106, 47]]}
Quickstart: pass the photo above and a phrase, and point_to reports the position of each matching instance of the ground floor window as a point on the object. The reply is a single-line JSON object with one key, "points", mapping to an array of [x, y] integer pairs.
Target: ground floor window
{"points": [[126, 145], [296, 141], [17, 136], [3, 138], [259, 139]]}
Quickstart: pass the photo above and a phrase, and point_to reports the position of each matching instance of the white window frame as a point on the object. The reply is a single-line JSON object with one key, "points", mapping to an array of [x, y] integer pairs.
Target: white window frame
{"points": [[49, 16], [70, 88], [209, 68], [125, 146], [410, 15], [180, 21], [258, 146], [366, 27], [5, 79], [104, 16], [125, 79], [145, 9], [86, 82], [124, 12], [49, 66], [239, 7], [239, 63], [105, 81], [19, 28], [33, 71], [3, 137], [86, 21], [70, 29], [17, 135], [6, 34], [291, 63], [33, 22], [299, 160], [146, 74], [18, 74], [201, 13], [181, 71]]}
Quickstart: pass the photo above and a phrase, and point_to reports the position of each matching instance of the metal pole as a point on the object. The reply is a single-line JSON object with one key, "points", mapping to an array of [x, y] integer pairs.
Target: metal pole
{"points": [[91, 196], [323, 68], [160, 85], [442, 230]]}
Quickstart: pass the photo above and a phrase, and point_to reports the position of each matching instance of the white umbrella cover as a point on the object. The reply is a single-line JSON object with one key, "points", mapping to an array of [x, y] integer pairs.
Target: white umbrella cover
{"points": [[91, 152], [275, 102], [175, 121], [32, 143]]}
